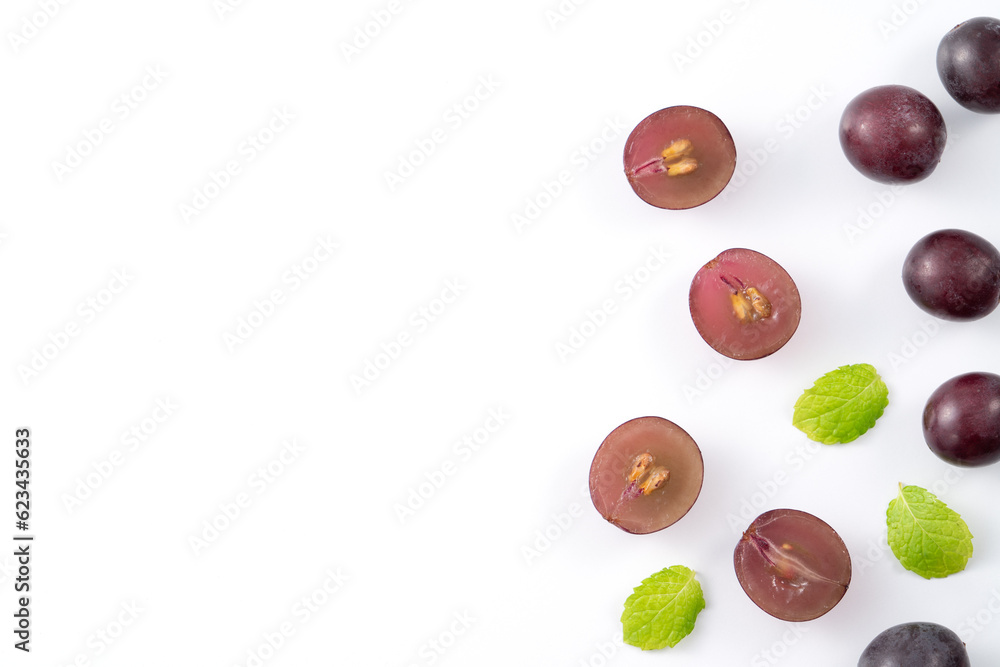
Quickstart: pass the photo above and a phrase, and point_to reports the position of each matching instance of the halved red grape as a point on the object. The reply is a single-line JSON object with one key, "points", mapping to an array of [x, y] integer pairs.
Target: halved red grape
{"points": [[918, 644], [962, 420], [646, 475], [968, 62], [792, 564], [893, 134], [679, 157], [953, 274], [744, 304]]}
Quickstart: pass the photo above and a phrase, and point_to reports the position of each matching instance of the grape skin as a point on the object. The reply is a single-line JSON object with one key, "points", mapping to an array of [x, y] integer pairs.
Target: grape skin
{"points": [[919, 644], [968, 62], [961, 420], [953, 274], [893, 134]]}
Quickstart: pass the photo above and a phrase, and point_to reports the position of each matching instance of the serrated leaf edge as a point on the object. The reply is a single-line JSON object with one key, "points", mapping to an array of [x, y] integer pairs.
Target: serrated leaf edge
{"points": [[832, 439], [905, 558], [690, 581]]}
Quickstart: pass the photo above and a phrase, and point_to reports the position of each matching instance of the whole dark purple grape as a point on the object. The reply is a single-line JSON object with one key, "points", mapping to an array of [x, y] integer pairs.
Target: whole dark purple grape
{"points": [[919, 644], [953, 274], [968, 62], [893, 134], [962, 420]]}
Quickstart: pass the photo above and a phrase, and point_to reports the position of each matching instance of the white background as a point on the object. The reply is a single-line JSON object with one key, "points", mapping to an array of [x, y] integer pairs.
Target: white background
{"points": [[504, 560]]}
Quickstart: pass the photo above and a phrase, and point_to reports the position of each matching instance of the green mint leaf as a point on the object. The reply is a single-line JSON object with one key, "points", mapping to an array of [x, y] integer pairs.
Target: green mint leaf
{"points": [[927, 536], [662, 609], [842, 405]]}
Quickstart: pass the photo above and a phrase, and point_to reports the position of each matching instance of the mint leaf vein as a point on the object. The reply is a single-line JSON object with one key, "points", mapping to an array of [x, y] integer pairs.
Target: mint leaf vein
{"points": [[926, 536], [842, 405], [662, 609]]}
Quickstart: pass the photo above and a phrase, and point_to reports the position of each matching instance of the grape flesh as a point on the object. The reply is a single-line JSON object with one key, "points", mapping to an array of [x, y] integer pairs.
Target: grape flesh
{"points": [[968, 62], [744, 304], [918, 644], [646, 475], [792, 564], [953, 274], [962, 420], [893, 134], [679, 157]]}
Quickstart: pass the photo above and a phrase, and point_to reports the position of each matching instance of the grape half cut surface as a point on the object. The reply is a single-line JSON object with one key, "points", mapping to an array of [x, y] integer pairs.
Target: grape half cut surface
{"points": [[679, 157], [744, 304], [646, 475], [792, 564]]}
